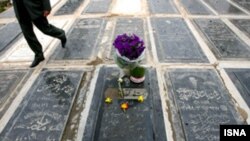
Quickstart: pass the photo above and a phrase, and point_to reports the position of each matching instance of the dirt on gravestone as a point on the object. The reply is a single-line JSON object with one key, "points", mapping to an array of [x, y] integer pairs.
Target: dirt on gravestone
{"points": [[4, 5]]}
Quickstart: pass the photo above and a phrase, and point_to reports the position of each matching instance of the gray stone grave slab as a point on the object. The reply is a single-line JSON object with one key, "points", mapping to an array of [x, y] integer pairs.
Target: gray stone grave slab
{"points": [[98, 6], [9, 81], [9, 32], [130, 25], [1, 25], [44, 111], [69, 7], [243, 3], [241, 79], [243, 25], [141, 121], [223, 42], [9, 13], [175, 42], [224, 7], [83, 40], [196, 7], [199, 104], [162, 7]]}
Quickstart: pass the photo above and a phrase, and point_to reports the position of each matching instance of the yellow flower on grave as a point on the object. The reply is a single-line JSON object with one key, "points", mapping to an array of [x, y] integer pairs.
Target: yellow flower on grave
{"points": [[124, 106], [108, 100], [140, 98]]}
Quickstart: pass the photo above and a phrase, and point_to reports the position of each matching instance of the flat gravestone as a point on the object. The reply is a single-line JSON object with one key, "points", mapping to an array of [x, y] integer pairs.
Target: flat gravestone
{"points": [[243, 25], [140, 122], [9, 81], [8, 34], [241, 79], [200, 104], [83, 40], [98, 6], [224, 7], [196, 7], [162, 7], [69, 7], [243, 3], [223, 42], [175, 42], [44, 111]]}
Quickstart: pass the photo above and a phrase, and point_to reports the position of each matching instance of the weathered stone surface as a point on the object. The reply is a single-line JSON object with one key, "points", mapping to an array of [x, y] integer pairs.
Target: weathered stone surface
{"points": [[8, 33], [83, 40], [44, 111], [224, 7], [98, 6], [223, 42], [243, 25], [8, 13], [1, 25], [69, 7], [196, 7], [175, 42], [141, 122], [130, 25], [241, 79], [199, 104], [243, 3], [162, 6], [9, 81]]}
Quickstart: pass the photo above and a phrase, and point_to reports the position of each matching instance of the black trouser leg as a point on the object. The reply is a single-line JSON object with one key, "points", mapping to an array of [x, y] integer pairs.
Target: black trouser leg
{"points": [[29, 35], [48, 29]]}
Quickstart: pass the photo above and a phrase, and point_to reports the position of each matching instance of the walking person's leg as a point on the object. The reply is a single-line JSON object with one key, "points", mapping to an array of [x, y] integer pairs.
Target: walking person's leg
{"points": [[25, 23], [48, 29]]}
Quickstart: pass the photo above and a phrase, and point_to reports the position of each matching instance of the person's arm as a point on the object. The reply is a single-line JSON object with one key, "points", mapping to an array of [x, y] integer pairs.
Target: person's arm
{"points": [[46, 7]]}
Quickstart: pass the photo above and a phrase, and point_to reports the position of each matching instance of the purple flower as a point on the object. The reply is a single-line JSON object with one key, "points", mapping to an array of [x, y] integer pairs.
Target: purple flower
{"points": [[130, 46]]}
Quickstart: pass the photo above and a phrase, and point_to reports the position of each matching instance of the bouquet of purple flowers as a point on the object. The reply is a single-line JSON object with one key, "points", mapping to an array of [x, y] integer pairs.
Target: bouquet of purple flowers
{"points": [[129, 46], [130, 51]]}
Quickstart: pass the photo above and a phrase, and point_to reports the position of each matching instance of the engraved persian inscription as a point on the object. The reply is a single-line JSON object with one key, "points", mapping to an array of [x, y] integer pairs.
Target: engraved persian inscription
{"points": [[223, 42], [162, 6], [203, 103], [241, 79], [175, 42], [69, 7], [142, 121], [196, 7], [98, 6], [83, 40], [44, 111], [224, 7]]}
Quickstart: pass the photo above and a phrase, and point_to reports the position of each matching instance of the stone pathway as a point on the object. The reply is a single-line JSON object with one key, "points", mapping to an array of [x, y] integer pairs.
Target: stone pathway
{"points": [[197, 78]]}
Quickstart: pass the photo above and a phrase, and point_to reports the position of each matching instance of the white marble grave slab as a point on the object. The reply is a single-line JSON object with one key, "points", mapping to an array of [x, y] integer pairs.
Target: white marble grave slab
{"points": [[22, 52], [127, 7]]}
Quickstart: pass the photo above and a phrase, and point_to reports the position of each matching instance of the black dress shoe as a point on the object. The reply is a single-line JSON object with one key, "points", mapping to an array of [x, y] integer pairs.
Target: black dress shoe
{"points": [[36, 61], [63, 41]]}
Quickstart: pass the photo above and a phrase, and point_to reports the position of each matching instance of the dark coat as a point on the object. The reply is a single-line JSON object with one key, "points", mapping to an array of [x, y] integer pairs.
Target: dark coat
{"points": [[35, 8]]}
